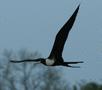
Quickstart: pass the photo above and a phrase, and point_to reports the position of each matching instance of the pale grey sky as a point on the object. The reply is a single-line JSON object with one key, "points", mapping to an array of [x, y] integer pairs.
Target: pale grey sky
{"points": [[33, 24]]}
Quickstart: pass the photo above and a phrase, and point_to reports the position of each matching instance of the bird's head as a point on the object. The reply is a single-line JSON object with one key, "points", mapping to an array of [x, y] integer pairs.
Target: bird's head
{"points": [[43, 61]]}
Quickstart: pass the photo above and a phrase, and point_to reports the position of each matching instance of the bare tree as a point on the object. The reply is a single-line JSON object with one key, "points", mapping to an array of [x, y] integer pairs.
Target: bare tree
{"points": [[30, 76], [52, 80], [7, 79], [16, 73]]}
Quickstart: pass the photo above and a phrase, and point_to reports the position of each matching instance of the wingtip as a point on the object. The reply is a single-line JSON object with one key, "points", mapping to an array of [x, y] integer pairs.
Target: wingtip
{"points": [[13, 61], [81, 62], [75, 12], [78, 7]]}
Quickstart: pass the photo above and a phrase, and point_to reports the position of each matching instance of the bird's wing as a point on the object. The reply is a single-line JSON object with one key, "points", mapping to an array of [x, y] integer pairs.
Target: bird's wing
{"points": [[26, 60], [62, 36]]}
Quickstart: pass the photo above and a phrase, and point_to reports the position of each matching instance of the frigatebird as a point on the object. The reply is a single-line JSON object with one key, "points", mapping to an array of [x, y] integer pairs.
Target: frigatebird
{"points": [[55, 57]]}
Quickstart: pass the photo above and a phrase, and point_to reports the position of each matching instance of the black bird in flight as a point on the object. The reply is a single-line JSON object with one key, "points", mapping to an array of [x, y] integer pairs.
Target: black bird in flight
{"points": [[55, 57]]}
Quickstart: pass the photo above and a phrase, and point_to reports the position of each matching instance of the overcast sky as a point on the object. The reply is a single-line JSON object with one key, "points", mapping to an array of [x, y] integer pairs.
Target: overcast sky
{"points": [[33, 24]]}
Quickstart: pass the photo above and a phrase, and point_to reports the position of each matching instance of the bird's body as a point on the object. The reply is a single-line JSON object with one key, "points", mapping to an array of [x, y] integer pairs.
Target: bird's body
{"points": [[55, 57], [49, 62]]}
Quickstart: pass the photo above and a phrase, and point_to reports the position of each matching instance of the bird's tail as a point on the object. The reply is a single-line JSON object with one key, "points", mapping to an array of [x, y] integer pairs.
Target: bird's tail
{"points": [[74, 62], [68, 64]]}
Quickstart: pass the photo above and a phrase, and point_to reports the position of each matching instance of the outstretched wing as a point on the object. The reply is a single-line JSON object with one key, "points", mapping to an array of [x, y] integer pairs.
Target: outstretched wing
{"points": [[62, 36], [27, 60]]}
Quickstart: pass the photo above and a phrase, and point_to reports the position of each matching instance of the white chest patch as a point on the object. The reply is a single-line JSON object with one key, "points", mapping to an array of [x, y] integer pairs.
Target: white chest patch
{"points": [[49, 62]]}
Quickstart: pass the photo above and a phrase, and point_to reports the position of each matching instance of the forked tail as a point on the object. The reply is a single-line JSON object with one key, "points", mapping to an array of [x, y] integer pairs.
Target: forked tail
{"points": [[67, 64]]}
